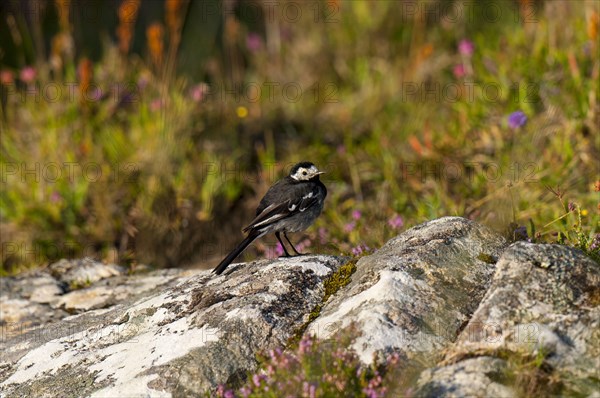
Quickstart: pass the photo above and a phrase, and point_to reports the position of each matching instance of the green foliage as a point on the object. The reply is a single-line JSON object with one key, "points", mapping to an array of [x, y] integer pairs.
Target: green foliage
{"points": [[158, 165]]}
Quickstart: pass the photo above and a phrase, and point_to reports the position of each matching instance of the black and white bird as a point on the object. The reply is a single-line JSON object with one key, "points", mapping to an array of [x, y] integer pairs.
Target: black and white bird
{"points": [[292, 204]]}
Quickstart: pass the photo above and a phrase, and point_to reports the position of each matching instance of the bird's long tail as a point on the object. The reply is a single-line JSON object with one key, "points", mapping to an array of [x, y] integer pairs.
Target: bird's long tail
{"points": [[252, 236]]}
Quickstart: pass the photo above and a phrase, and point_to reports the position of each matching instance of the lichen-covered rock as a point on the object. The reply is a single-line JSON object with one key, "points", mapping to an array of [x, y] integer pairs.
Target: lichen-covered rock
{"points": [[180, 340], [415, 293], [540, 324]]}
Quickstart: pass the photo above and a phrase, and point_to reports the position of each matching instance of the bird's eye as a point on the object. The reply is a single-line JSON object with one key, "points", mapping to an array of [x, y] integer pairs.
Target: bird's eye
{"points": [[304, 173]]}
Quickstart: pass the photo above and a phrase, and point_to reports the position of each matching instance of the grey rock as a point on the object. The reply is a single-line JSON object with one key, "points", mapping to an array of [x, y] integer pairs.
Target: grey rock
{"points": [[82, 272], [544, 302], [414, 294], [179, 340]]}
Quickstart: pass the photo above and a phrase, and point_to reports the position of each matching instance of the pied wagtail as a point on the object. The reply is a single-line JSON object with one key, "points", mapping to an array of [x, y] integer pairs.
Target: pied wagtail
{"points": [[292, 204]]}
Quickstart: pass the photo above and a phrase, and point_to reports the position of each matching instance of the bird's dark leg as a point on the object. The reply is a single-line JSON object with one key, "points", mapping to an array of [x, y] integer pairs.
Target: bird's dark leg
{"points": [[291, 244], [277, 234]]}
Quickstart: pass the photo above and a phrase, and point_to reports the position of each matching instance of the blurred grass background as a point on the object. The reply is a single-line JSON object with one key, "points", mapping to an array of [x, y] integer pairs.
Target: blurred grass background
{"points": [[147, 131]]}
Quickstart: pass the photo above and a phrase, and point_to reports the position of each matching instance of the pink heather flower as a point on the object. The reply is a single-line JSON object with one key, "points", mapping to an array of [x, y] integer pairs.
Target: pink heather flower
{"points": [[229, 394], [356, 214], [156, 104], [55, 197], [198, 92], [256, 380], [6, 77], [517, 119], [323, 235], [27, 74], [360, 249], [396, 222], [350, 226], [305, 345], [459, 71], [254, 42], [466, 47]]}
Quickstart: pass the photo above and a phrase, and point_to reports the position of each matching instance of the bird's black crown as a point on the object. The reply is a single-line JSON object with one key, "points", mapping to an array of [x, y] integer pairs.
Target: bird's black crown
{"points": [[306, 165]]}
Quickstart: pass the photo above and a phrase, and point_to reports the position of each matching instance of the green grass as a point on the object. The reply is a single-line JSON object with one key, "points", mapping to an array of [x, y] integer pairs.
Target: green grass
{"points": [[166, 179]]}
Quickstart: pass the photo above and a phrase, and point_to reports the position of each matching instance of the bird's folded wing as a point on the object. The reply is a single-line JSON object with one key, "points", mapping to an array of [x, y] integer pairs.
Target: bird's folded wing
{"points": [[277, 211]]}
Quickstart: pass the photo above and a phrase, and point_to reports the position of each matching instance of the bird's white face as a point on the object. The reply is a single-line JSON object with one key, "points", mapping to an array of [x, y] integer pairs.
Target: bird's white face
{"points": [[306, 173]]}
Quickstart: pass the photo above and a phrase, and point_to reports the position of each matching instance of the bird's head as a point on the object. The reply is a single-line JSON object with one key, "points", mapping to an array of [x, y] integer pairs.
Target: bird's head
{"points": [[305, 171]]}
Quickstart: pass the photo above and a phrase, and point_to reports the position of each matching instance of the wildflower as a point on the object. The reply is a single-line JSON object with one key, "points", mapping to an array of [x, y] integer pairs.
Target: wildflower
{"points": [[323, 235], [154, 36], [595, 243], [597, 186], [256, 380], [350, 226], [466, 47], [360, 249], [521, 233], [6, 77], [517, 119], [356, 214], [459, 71], [143, 81], [229, 394], [241, 111], [55, 197], [156, 104], [254, 42], [572, 206], [396, 222], [27, 74], [305, 345], [198, 91]]}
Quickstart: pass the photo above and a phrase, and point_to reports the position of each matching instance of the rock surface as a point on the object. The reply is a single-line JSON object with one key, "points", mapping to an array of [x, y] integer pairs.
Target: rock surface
{"points": [[181, 339], [539, 321], [415, 293], [469, 316]]}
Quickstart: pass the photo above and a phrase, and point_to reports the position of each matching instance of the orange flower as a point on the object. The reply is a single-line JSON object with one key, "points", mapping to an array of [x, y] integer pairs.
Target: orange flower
{"points": [[173, 16], [127, 13], [85, 72], [154, 35], [592, 28]]}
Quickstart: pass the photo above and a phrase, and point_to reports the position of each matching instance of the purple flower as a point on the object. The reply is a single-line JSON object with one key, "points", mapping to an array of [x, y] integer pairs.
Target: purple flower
{"points": [[350, 226], [356, 214], [396, 222], [459, 71], [229, 394], [517, 119], [27, 74], [572, 206], [305, 345], [360, 249], [521, 233], [466, 47], [143, 81], [595, 243], [254, 42]]}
